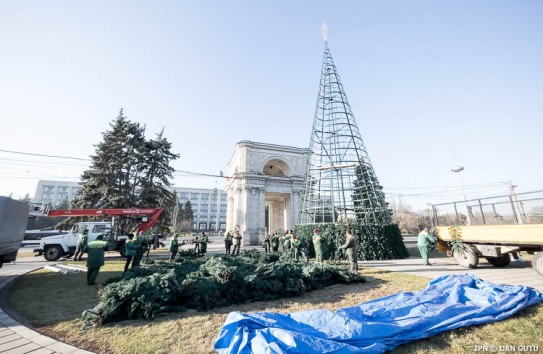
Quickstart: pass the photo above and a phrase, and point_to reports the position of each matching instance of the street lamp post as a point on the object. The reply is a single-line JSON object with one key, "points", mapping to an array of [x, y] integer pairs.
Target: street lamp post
{"points": [[459, 169]]}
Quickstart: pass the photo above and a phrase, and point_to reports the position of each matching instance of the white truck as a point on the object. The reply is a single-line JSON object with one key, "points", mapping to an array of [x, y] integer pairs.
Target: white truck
{"points": [[54, 247]]}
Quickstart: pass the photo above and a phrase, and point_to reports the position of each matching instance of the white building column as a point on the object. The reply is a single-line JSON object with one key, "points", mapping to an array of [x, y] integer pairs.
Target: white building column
{"points": [[262, 208], [295, 199]]}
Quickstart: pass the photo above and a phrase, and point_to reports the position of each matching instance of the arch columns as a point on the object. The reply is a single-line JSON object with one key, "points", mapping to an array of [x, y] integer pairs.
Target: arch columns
{"points": [[259, 174]]}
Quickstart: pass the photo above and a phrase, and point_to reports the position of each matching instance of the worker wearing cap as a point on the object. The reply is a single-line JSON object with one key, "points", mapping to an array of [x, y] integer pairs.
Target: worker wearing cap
{"points": [[266, 242], [237, 243], [130, 249], [286, 243], [204, 240], [320, 247], [424, 239], [228, 241], [174, 246], [350, 249], [81, 244], [275, 241], [95, 260], [141, 243]]}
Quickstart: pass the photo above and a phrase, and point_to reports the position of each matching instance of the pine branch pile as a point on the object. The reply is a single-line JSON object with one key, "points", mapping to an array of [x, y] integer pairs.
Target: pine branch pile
{"points": [[203, 284]]}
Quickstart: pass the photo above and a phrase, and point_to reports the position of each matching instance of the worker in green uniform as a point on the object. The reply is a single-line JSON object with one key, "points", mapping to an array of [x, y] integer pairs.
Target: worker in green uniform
{"points": [[130, 249], [275, 241], [320, 247], [287, 247], [266, 242], [228, 241], [298, 248], [174, 246], [423, 241], [196, 242], [350, 249], [204, 240], [140, 243], [237, 243], [82, 241], [95, 260]]}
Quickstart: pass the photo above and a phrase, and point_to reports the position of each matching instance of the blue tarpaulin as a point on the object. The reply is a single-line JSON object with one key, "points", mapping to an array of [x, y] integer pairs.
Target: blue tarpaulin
{"points": [[376, 326]]}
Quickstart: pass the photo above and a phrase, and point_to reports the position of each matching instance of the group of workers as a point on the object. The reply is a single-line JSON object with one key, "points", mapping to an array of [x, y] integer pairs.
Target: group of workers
{"points": [[291, 244], [135, 246], [200, 245], [232, 238]]}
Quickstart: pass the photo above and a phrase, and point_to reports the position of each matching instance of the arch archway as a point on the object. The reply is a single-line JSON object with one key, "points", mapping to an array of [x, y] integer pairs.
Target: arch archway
{"points": [[276, 167]]}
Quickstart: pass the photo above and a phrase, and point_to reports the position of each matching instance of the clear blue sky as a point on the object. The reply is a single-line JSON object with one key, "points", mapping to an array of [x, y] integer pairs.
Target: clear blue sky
{"points": [[432, 84]]}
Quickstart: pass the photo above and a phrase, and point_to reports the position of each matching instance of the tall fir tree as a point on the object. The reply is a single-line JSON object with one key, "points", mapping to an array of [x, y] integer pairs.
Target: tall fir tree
{"points": [[112, 180], [188, 216], [156, 173], [128, 171]]}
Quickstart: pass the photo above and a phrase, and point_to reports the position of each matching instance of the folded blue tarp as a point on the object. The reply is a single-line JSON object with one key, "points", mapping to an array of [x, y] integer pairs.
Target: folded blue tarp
{"points": [[379, 325]]}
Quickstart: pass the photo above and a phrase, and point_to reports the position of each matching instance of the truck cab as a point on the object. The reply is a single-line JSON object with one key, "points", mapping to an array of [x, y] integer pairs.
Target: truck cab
{"points": [[54, 247]]}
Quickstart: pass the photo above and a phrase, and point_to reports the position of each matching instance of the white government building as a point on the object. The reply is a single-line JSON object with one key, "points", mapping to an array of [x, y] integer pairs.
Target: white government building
{"points": [[264, 191], [208, 205]]}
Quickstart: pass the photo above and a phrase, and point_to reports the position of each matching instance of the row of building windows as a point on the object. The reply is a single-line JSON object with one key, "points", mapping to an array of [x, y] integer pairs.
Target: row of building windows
{"points": [[204, 202]]}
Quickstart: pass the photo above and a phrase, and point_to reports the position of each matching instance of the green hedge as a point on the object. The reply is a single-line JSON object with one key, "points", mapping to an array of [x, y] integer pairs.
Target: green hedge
{"points": [[374, 242]]}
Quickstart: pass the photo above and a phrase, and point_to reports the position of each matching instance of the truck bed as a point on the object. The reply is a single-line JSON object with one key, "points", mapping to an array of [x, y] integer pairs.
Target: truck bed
{"points": [[13, 219], [523, 234]]}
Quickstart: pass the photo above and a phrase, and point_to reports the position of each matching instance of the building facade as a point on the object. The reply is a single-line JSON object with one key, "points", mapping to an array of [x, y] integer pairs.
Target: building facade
{"points": [[208, 205], [265, 188], [55, 193]]}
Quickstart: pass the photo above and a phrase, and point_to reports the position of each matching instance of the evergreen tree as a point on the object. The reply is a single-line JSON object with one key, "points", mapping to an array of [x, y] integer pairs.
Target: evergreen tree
{"points": [[156, 173], [188, 216], [129, 171], [177, 214], [112, 180], [64, 204], [369, 202]]}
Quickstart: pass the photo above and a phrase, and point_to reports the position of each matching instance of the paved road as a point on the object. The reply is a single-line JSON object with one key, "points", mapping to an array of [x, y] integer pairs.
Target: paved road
{"points": [[517, 273], [15, 338]]}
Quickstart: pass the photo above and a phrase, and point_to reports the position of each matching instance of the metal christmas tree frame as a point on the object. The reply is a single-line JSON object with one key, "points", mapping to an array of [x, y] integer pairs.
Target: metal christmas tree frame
{"points": [[340, 183]]}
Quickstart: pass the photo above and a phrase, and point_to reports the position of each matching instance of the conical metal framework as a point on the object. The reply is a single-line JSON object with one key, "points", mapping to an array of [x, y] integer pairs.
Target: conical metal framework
{"points": [[340, 183]]}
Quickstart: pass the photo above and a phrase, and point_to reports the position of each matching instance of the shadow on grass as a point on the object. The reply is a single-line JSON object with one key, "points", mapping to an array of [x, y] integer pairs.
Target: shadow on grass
{"points": [[47, 298]]}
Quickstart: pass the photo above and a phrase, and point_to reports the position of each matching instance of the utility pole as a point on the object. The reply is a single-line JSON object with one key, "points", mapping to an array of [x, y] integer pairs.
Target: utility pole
{"points": [[517, 207], [175, 214], [459, 169]]}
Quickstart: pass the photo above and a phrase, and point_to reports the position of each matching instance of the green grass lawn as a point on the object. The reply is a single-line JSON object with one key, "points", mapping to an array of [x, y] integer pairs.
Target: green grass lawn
{"points": [[53, 303]]}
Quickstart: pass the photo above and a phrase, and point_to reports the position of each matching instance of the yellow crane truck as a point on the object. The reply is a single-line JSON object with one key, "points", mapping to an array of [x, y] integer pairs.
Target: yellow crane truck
{"points": [[496, 243]]}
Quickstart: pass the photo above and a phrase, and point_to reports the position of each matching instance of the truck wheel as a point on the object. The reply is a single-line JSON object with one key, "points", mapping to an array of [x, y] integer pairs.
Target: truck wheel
{"points": [[500, 261], [537, 262], [1, 261], [466, 259], [52, 253]]}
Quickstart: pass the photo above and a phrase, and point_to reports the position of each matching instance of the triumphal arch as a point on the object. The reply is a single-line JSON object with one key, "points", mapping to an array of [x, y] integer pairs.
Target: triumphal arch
{"points": [[265, 187]]}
